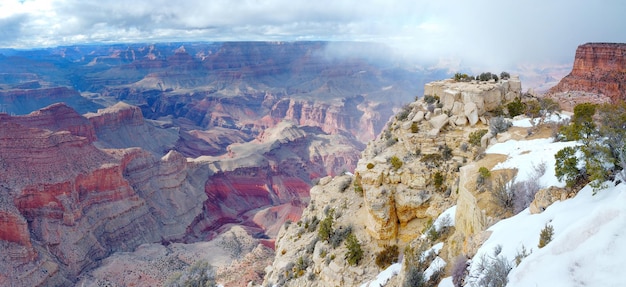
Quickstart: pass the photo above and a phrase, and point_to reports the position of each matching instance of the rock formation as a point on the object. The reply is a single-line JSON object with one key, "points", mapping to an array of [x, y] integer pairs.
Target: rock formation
{"points": [[418, 167], [123, 126], [598, 75]]}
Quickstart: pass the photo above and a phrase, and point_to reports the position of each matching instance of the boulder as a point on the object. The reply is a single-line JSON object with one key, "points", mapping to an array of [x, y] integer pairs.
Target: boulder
{"points": [[471, 112], [545, 197], [457, 108], [460, 120], [419, 116], [439, 121], [484, 141]]}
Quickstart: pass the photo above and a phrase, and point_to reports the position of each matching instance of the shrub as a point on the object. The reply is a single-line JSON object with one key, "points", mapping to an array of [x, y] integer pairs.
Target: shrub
{"points": [[499, 125], [415, 127], [414, 277], [459, 270], [355, 253], [326, 227], [521, 254], [516, 107], [433, 158], [302, 263], [546, 235], [404, 113], [566, 166], [370, 165], [464, 147], [475, 136], [533, 109], [459, 77], [483, 175], [549, 105], [505, 76], [524, 192], [310, 247], [415, 262], [358, 188], [446, 152], [495, 271], [311, 225], [387, 256], [395, 162], [431, 99], [502, 194], [438, 180], [198, 274], [339, 235]]}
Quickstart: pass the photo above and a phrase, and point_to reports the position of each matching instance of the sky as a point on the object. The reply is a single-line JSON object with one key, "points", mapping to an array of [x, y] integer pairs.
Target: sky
{"points": [[490, 32]]}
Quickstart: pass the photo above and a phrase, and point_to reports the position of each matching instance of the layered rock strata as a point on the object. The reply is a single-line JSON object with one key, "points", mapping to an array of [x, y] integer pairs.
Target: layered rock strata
{"points": [[598, 75]]}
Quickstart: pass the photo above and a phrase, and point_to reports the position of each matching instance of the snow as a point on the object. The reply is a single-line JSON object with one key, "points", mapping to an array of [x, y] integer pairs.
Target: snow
{"points": [[446, 217], [588, 245], [523, 155], [384, 276], [438, 263], [446, 282], [528, 122], [589, 241]]}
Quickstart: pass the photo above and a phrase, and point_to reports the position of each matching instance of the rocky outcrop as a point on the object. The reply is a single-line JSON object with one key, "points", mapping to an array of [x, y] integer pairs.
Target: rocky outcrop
{"points": [[56, 117], [473, 99], [599, 72], [123, 126]]}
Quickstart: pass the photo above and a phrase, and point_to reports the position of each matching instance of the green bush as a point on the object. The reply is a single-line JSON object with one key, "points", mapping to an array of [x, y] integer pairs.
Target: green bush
{"points": [[483, 175], [395, 162], [566, 166], [438, 180], [325, 230], [415, 127], [431, 99], [387, 256], [355, 253], [516, 107], [505, 76], [546, 235], [475, 136], [533, 109]]}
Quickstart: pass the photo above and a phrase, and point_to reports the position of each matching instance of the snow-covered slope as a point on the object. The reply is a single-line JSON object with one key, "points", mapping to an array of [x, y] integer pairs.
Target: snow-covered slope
{"points": [[589, 242]]}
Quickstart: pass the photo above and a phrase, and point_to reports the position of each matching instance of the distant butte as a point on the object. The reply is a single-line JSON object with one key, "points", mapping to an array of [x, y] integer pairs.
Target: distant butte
{"points": [[598, 75]]}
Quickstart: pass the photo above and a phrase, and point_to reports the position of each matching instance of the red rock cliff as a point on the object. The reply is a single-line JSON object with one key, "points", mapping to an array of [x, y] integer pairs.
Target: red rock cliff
{"points": [[599, 68]]}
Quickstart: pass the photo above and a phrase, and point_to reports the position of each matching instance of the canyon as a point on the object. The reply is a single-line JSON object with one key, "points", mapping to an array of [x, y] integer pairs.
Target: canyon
{"points": [[105, 149], [157, 156]]}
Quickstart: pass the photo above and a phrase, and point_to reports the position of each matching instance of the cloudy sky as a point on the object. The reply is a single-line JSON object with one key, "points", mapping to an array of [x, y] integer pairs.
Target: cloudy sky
{"points": [[492, 32]]}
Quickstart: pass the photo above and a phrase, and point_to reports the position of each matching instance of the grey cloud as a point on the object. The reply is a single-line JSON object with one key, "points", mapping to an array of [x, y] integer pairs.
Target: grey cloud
{"points": [[479, 32]]}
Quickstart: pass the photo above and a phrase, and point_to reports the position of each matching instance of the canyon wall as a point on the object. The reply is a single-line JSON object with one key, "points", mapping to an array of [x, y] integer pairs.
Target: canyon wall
{"points": [[598, 75]]}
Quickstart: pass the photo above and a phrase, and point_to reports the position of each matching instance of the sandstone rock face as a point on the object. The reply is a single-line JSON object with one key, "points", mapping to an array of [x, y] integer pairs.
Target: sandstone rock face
{"points": [[473, 99], [599, 71]]}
